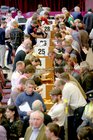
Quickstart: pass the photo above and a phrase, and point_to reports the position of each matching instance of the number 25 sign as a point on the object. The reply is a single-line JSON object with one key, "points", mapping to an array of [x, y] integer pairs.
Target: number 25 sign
{"points": [[42, 47], [42, 51]]}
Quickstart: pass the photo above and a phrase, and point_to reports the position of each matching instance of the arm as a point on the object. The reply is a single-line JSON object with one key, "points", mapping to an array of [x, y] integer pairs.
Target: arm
{"points": [[44, 106], [30, 31], [91, 34], [56, 112], [35, 35], [84, 123], [18, 102], [19, 127]]}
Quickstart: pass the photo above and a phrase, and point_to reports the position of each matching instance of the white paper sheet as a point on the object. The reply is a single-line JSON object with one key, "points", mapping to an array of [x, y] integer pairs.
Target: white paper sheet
{"points": [[25, 107]]}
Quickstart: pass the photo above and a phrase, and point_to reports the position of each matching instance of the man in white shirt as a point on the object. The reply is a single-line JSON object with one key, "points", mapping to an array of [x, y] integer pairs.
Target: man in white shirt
{"points": [[19, 15], [23, 45], [58, 112], [71, 93], [17, 73], [75, 99]]}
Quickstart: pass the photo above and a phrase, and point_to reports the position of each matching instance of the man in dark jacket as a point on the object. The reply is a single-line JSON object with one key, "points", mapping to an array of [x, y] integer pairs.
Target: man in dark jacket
{"points": [[16, 35]]}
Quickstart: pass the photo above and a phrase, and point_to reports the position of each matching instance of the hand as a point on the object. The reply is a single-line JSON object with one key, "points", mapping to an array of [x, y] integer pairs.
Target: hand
{"points": [[55, 120], [55, 50], [29, 112]]}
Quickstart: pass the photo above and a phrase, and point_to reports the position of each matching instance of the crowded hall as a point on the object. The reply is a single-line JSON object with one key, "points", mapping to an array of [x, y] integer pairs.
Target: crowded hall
{"points": [[46, 70]]}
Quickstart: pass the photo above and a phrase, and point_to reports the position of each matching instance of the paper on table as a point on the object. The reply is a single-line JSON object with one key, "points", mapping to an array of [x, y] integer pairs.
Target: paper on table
{"points": [[21, 138], [25, 107]]}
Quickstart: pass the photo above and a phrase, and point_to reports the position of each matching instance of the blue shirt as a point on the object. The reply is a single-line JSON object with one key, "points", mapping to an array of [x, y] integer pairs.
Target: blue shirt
{"points": [[2, 36], [77, 15], [34, 134], [24, 97]]}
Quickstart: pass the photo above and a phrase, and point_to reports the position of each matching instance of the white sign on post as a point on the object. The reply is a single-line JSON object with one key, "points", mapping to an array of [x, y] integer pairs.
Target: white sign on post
{"points": [[41, 51], [43, 42], [48, 28], [43, 64], [42, 47]]}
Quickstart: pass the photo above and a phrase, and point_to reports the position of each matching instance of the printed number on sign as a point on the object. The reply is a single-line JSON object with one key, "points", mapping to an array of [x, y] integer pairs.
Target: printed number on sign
{"points": [[47, 28], [41, 51], [43, 43]]}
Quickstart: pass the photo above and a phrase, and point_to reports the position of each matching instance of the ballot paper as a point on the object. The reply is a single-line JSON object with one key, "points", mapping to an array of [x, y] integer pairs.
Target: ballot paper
{"points": [[25, 107]]}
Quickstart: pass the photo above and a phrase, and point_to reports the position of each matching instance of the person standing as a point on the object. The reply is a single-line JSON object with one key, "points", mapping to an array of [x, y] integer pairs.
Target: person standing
{"points": [[16, 35], [36, 130], [2, 43], [76, 13], [20, 66], [57, 112], [88, 20], [28, 97], [37, 105], [20, 56]]}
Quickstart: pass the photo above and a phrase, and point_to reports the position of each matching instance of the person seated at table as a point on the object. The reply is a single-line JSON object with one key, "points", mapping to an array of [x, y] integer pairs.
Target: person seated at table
{"points": [[19, 15], [39, 8]]}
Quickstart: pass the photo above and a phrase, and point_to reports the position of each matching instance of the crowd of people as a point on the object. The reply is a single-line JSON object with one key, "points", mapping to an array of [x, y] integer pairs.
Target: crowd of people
{"points": [[26, 115]]}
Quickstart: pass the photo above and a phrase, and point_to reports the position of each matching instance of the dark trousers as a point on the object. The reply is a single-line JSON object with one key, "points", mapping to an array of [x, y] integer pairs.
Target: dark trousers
{"points": [[73, 122], [61, 133], [71, 132], [9, 61], [77, 116]]}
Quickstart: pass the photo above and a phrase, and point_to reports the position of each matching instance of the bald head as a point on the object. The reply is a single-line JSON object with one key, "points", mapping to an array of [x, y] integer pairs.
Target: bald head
{"points": [[37, 105], [38, 114], [27, 44], [77, 9]]}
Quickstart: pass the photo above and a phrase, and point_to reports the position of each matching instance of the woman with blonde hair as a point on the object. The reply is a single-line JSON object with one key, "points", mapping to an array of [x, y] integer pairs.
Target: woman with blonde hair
{"points": [[69, 21]]}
